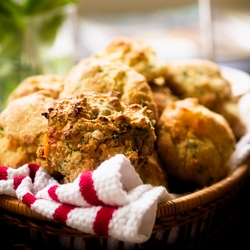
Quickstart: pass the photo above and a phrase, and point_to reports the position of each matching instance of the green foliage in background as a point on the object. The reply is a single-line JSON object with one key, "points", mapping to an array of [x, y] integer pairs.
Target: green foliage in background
{"points": [[15, 16]]}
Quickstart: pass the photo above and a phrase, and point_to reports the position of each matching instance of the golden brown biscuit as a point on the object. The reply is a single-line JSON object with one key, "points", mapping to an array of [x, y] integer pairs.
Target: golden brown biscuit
{"points": [[13, 158], [102, 76], [230, 111], [23, 129], [162, 96], [200, 79], [194, 143], [137, 54], [23, 123], [152, 171], [19, 156], [50, 85], [88, 128]]}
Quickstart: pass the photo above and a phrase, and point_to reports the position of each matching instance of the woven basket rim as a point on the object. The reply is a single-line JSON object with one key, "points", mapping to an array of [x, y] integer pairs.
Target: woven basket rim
{"points": [[204, 196], [182, 204]]}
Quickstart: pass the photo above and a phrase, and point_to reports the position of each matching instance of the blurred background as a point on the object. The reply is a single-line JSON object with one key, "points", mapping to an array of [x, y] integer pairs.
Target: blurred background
{"points": [[212, 29], [49, 37]]}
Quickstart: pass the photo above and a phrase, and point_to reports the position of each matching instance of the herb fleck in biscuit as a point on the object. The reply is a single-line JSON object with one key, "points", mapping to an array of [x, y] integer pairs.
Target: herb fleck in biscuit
{"points": [[194, 143], [200, 79], [88, 128]]}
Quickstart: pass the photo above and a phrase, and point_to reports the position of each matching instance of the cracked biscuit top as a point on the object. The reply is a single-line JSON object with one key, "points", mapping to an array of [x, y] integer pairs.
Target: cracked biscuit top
{"points": [[87, 128], [136, 53], [103, 76]]}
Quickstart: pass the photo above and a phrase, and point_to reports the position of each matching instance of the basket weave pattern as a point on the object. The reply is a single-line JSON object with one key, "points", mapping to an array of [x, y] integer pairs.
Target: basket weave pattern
{"points": [[180, 223]]}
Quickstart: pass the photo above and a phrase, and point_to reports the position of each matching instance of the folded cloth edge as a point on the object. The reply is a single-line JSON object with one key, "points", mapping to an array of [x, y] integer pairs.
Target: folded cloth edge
{"points": [[96, 219]]}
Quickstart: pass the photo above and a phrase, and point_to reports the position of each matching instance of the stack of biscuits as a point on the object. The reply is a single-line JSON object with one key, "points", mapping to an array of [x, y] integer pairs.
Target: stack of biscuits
{"points": [[176, 121]]}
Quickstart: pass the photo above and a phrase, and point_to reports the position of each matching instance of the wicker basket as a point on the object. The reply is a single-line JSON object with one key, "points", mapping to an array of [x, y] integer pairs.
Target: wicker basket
{"points": [[180, 224]]}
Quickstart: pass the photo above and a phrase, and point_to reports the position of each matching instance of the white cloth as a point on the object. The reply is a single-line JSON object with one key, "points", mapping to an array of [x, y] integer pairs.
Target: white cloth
{"points": [[241, 152], [111, 200]]}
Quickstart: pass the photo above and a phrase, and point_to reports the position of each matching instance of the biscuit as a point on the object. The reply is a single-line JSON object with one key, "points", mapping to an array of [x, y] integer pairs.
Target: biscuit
{"points": [[230, 111], [23, 129], [50, 85], [162, 97], [87, 128], [152, 171], [137, 54], [194, 143], [102, 76], [199, 79], [13, 158]]}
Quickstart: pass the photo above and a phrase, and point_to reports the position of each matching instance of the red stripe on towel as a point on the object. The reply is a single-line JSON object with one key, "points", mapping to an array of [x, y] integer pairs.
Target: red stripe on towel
{"points": [[102, 219], [61, 213], [33, 169], [17, 181], [3, 173], [87, 189], [29, 199], [52, 193]]}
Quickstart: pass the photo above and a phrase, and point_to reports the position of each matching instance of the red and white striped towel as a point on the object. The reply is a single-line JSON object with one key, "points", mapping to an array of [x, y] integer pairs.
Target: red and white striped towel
{"points": [[111, 200]]}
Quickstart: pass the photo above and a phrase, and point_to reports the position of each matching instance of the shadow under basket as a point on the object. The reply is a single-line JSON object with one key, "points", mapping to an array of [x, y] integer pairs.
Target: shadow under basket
{"points": [[183, 223]]}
